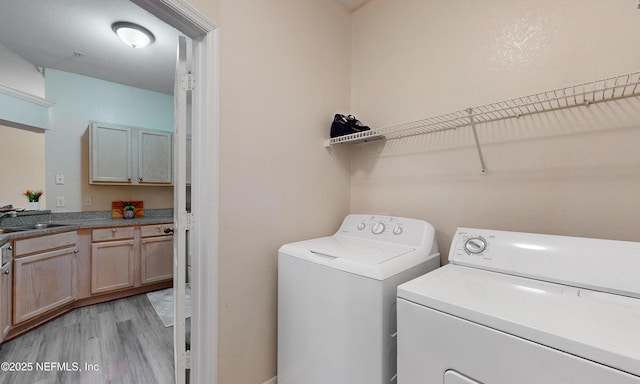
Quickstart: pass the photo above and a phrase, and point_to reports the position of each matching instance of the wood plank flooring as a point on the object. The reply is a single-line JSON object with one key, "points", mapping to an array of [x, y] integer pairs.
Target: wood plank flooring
{"points": [[123, 340]]}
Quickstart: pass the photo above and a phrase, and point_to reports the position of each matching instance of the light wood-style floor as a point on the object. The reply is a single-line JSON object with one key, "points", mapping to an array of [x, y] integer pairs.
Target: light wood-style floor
{"points": [[124, 339]]}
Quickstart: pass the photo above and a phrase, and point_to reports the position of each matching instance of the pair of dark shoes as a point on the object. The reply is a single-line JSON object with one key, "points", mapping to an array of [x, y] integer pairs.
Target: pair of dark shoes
{"points": [[346, 125]]}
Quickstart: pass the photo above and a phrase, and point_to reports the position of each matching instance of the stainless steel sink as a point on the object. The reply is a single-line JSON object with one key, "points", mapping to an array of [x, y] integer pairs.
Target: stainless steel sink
{"points": [[40, 226], [31, 227]]}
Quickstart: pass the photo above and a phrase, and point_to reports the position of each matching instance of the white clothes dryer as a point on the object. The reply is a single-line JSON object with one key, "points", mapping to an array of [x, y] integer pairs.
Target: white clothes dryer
{"points": [[337, 299], [523, 308]]}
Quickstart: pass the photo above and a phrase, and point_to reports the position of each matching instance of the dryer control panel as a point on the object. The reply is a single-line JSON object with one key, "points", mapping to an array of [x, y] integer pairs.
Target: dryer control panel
{"points": [[598, 264], [392, 229]]}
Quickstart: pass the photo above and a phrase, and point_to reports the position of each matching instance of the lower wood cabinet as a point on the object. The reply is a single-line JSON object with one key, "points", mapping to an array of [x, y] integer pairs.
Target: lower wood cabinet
{"points": [[129, 257], [156, 259], [44, 279], [55, 273], [112, 266], [113, 259]]}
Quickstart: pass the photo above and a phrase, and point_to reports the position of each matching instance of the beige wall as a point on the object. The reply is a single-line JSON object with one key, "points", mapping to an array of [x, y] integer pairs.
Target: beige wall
{"points": [[22, 159], [285, 70], [574, 172]]}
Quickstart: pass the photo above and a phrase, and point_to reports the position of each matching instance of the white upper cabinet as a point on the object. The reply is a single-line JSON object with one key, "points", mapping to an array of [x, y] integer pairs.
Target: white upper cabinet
{"points": [[121, 155], [154, 157], [110, 153]]}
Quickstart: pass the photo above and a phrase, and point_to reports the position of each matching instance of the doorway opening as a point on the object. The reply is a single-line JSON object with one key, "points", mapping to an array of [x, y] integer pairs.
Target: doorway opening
{"points": [[201, 220]]}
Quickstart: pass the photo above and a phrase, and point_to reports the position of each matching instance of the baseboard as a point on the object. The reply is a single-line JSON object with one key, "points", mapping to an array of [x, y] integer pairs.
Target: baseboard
{"points": [[273, 380]]}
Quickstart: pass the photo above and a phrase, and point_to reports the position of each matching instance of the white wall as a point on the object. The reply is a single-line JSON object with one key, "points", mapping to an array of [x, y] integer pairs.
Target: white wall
{"points": [[80, 99], [573, 172], [20, 74]]}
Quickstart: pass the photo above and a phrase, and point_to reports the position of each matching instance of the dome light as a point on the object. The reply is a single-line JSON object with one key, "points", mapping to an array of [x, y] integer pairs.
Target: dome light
{"points": [[132, 34]]}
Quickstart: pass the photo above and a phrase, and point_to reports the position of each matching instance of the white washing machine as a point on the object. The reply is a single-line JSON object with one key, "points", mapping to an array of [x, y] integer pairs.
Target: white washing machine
{"points": [[337, 299], [523, 308]]}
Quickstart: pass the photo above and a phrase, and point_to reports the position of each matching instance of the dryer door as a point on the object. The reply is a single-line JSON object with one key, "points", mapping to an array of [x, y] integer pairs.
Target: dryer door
{"points": [[453, 377]]}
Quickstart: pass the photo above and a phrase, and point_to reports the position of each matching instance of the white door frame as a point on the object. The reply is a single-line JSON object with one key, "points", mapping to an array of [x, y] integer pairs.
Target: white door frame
{"points": [[181, 217], [204, 190]]}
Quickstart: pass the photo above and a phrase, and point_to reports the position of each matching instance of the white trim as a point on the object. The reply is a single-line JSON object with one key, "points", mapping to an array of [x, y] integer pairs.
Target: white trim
{"points": [[180, 15], [273, 380], [205, 198], [180, 215], [205, 192], [18, 94]]}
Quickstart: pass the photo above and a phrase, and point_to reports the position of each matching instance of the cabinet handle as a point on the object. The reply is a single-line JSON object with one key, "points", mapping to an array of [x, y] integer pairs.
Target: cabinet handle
{"points": [[113, 230], [7, 271], [144, 241], [168, 230], [131, 244], [140, 178], [76, 250]]}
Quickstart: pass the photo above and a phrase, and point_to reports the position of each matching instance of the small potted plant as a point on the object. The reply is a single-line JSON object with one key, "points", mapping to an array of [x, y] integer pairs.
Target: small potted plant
{"points": [[128, 209], [34, 199]]}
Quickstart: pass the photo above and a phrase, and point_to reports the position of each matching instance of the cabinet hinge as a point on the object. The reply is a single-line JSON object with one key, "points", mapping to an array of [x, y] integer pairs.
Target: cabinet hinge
{"points": [[187, 81]]}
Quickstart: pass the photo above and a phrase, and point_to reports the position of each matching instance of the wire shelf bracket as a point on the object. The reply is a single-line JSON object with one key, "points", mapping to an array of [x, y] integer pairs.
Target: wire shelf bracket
{"points": [[483, 167], [612, 88]]}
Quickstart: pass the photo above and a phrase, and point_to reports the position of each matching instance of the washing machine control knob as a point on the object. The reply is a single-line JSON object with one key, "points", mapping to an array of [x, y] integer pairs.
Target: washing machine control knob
{"points": [[377, 228], [361, 226], [475, 245], [397, 230]]}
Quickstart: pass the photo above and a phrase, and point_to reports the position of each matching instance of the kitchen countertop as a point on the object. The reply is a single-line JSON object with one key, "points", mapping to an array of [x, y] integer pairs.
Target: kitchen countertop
{"points": [[71, 225]]}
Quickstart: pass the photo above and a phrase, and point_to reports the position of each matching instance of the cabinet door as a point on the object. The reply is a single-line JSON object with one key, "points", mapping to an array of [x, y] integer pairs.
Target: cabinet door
{"points": [[112, 266], [155, 160], [156, 259], [6, 296], [44, 282], [110, 153]]}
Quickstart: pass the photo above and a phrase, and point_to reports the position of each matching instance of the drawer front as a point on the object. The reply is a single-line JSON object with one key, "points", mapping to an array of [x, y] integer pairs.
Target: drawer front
{"points": [[117, 233], [44, 243], [155, 230]]}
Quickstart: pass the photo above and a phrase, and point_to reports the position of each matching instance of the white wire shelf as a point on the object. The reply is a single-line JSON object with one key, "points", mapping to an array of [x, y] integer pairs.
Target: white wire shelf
{"points": [[573, 96]]}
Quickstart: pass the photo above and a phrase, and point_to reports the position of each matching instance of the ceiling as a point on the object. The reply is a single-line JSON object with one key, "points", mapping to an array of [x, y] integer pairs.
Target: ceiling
{"points": [[75, 36]]}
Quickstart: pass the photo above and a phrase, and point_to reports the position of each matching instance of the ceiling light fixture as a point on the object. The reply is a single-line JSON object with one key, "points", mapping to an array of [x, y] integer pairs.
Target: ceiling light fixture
{"points": [[132, 34]]}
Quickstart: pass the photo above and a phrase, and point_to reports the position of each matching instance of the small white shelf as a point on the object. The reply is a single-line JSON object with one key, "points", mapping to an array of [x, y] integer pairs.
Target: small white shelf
{"points": [[577, 95]]}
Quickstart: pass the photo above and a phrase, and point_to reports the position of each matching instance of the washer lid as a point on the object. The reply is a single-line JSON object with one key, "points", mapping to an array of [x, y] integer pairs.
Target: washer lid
{"points": [[374, 259], [369, 252], [601, 327]]}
